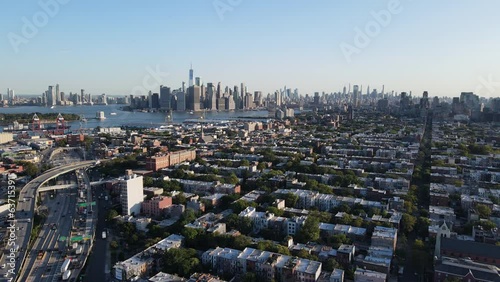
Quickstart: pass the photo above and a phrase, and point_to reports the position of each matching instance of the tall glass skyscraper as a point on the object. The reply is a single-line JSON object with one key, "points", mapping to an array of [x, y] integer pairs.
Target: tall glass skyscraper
{"points": [[191, 76]]}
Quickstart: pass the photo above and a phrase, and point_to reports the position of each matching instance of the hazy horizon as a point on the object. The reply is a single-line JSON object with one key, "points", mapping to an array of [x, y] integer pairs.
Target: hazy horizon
{"points": [[112, 47]]}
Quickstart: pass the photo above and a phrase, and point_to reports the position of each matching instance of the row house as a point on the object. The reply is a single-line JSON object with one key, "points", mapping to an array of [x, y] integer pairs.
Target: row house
{"points": [[345, 254], [440, 198], [378, 259], [365, 275], [471, 201], [394, 219], [384, 237], [145, 262], [392, 184], [280, 267], [328, 229], [206, 221], [438, 214], [264, 264], [204, 187], [223, 261], [325, 202], [260, 220], [444, 170]]}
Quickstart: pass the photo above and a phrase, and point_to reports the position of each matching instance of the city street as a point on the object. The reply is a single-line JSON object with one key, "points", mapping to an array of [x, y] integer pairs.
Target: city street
{"points": [[98, 267]]}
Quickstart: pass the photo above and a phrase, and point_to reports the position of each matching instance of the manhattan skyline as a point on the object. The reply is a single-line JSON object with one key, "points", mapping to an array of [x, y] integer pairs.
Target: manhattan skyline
{"points": [[444, 48]]}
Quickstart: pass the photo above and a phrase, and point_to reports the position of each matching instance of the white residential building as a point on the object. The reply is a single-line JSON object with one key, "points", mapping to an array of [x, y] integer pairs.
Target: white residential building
{"points": [[131, 193]]}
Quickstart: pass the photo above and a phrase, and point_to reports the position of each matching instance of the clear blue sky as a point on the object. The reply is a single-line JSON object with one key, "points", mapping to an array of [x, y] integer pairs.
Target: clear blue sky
{"points": [[106, 46]]}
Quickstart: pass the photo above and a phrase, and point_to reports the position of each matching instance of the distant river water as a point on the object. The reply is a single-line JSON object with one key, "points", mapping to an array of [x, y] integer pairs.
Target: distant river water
{"points": [[126, 118]]}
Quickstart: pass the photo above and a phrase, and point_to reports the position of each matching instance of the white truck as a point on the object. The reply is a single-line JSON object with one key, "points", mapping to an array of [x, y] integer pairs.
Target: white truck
{"points": [[104, 234], [66, 275], [65, 265]]}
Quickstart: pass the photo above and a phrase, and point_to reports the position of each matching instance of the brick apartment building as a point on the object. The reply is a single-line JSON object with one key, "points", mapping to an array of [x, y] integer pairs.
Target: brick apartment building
{"points": [[162, 161]]}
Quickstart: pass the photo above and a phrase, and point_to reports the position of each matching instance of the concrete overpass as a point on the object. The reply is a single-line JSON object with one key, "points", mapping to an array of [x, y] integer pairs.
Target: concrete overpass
{"points": [[66, 186], [25, 212]]}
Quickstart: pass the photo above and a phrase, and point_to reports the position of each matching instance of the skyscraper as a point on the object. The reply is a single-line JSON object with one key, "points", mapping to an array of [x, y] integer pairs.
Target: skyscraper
{"points": [[181, 101], [165, 98], [10, 96], [277, 98], [82, 96], [211, 97], [191, 76], [197, 81], [242, 93], [193, 98], [355, 96], [58, 95], [51, 97], [150, 99], [155, 104]]}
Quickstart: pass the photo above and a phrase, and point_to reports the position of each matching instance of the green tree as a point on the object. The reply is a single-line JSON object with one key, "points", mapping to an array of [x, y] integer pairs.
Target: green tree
{"points": [[331, 264], [291, 199], [418, 245], [232, 179], [487, 224], [241, 242], [407, 223], [240, 205], [112, 214], [310, 230], [275, 211], [179, 199], [261, 166], [147, 181], [182, 261], [30, 169], [483, 210], [187, 217], [113, 244]]}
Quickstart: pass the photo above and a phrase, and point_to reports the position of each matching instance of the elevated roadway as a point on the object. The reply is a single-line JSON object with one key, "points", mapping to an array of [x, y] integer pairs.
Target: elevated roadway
{"points": [[24, 217]]}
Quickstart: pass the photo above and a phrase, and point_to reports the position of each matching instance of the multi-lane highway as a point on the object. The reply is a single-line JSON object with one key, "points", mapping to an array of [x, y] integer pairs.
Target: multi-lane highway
{"points": [[25, 211], [58, 223]]}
